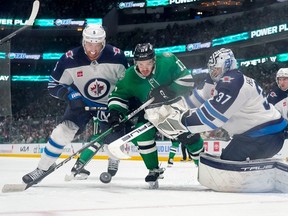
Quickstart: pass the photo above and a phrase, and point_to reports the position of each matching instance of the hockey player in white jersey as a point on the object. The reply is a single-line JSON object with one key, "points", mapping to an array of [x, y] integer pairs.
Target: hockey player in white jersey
{"points": [[279, 95], [83, 76], [238, 105]]}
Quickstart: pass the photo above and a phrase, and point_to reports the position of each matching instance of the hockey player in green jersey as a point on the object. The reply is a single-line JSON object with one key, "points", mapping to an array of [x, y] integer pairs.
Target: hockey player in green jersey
{"points": [[162, 76]]}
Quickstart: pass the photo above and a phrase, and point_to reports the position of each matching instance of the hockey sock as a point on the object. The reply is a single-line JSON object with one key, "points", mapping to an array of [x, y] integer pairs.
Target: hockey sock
{"points": [[195, 149], [87, 154], [150, 160]]}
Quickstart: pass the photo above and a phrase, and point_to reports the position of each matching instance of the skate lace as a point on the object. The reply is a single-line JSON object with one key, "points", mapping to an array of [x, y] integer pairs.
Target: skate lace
{"points": [[113, 164], [157, 170], [36, 173]]}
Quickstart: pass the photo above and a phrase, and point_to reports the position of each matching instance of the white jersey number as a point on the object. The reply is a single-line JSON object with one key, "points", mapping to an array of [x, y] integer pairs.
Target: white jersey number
{"points": [[222, 98]]}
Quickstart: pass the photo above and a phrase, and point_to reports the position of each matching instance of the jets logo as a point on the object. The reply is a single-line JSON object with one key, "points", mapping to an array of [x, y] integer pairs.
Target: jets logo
{"points": [[96, 89], [69, 54], [226, 79], [116, 50], [273, 94]]}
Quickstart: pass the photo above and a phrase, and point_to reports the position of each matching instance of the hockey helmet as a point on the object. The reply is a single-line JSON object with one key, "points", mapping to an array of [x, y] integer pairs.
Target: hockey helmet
{"points": [[220, 62], [144, 52], [282, 72], [94, 33]]}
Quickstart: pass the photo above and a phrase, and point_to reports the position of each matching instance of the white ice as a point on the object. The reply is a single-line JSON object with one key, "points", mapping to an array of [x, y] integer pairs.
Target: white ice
{"points": [[127, 194]]}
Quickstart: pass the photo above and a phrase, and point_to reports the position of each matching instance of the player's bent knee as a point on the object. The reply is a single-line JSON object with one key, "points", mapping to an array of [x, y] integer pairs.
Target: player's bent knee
{"points": [[64, 132]]}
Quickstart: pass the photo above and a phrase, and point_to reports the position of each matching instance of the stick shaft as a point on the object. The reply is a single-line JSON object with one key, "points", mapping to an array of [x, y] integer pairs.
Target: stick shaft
{"points": [[29, 22]]}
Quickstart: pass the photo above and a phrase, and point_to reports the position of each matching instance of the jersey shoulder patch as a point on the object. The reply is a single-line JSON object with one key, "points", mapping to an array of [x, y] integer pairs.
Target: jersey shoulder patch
{"points": [[167, 54]]}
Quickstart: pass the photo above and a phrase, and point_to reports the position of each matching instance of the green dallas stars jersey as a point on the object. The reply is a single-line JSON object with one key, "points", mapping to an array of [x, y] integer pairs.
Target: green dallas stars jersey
{"points": [[168, 71]]}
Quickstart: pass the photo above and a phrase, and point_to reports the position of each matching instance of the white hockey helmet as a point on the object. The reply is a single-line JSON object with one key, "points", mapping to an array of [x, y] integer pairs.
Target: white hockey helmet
{"points": [[223, 60], [282, 72], [94, 33]]}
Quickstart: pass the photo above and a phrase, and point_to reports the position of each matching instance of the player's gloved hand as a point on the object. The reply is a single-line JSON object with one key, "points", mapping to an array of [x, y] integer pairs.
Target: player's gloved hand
{"points": [[162, 93], [74, 99], [114, 120]]}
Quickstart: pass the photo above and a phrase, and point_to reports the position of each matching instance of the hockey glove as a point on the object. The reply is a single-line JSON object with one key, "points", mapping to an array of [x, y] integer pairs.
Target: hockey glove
{"points": [[162, 94], [74, 100], [114, 119]]}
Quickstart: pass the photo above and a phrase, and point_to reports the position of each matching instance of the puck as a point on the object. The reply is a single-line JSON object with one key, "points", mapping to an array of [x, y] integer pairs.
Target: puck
{"points": [[105, 177]]}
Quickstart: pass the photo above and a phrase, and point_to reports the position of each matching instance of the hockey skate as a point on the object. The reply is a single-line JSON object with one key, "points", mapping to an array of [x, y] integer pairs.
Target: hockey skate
{"points": [[113, 166], [153, 176], [170, 162], [78, 172], [35, 174]]}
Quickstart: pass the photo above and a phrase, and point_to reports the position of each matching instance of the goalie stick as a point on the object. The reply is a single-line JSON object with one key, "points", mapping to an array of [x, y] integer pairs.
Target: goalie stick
{"points": [[28, 23], [22, 187]]}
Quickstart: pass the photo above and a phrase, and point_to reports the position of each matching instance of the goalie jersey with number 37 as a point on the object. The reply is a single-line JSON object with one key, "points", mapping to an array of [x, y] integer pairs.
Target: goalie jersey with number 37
{"points": [[236, 103]]}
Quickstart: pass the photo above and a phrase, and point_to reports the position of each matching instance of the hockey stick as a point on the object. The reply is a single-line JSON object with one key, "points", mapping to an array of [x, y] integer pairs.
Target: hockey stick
{"points": [[28, 23], [21, 187], [114, 149], [73, 175], [87, 108], [99, 146]]}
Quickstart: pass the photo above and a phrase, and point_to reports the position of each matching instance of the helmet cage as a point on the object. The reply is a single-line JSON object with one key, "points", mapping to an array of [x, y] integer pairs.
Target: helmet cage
{"points": [[224, 59]]}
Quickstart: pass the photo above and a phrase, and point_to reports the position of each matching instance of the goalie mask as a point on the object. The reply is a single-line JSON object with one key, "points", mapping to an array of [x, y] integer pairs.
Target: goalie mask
{"points": [[144, 59], [282, 73], [220, 62], [93, 40]]}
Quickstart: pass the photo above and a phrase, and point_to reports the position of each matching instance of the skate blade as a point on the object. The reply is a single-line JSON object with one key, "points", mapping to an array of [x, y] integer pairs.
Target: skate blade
{"points": [[71, 177], [7, 188], [153, 185]]}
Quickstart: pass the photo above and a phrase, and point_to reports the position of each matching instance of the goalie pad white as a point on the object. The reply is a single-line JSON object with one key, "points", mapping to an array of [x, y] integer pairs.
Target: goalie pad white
{"points": [[255, 176], [166, 117]]}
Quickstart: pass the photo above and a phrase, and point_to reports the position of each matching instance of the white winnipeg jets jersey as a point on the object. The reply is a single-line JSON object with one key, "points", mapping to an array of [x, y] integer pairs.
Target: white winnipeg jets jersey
{"points": [[279, 99], [93, 79], [239, 106]]}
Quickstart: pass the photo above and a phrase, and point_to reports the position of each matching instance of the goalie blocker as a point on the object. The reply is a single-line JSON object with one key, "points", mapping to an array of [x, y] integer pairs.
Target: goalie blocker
{"points": [[264, 175]]}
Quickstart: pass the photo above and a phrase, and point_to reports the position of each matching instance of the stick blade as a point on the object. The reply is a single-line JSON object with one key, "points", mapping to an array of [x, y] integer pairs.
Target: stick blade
{"points": [[7, 188], [34, 13], [114, 151]]}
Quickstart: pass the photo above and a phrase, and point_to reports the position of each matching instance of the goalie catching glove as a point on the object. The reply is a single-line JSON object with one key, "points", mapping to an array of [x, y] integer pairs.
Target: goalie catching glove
{"points": [[167, 117]]}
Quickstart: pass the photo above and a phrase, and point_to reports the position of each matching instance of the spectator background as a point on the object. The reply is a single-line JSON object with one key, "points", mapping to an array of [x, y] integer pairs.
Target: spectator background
{"points": [[35, 113]]}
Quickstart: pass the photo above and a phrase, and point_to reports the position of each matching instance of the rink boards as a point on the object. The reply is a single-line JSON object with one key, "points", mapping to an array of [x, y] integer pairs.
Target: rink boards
{"points": [[35, 149], [213, 147]]}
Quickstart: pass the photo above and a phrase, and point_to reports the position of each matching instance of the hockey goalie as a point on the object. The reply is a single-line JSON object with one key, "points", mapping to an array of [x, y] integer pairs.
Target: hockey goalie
{"points": [[235, 102]]}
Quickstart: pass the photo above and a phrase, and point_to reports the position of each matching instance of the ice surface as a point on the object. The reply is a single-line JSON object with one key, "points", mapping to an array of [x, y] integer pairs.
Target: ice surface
{"points": [[127, 194]]}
